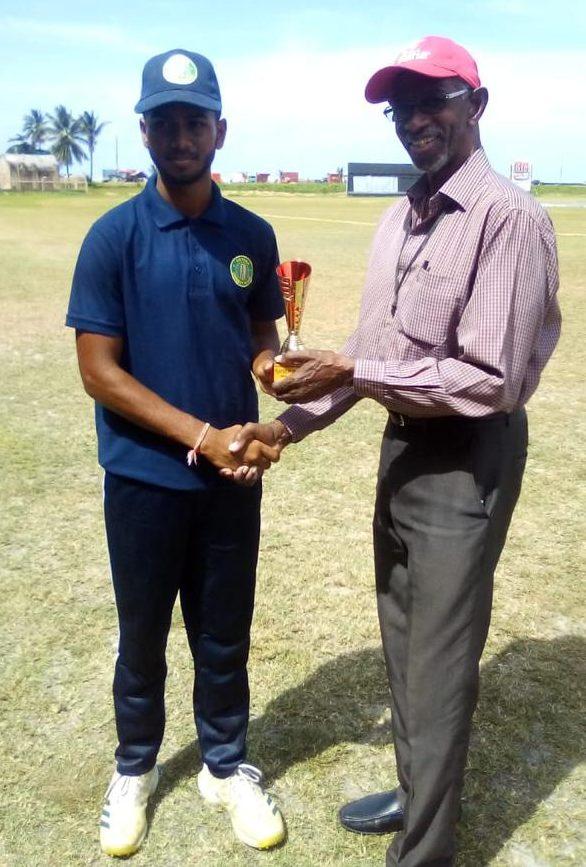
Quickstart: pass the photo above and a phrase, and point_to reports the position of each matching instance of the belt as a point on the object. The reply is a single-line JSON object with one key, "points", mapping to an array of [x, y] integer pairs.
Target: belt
{"points": [[400, 420]]}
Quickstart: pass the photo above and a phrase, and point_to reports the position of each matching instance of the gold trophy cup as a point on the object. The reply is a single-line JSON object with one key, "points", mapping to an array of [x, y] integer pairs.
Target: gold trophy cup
{"points": [[294, 282]]}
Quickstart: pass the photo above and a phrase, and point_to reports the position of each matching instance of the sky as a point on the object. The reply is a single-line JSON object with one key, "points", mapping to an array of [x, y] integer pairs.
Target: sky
{"points": [[292, 75]]}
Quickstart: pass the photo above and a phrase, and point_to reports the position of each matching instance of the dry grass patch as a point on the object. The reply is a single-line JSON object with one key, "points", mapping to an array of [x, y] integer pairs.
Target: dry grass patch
{"points": [[320, 725]]}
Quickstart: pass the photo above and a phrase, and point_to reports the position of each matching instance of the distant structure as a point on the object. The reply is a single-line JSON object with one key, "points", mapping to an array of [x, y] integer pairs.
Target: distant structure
{"points": [[380, 179], [127, 176], [216, 177], [335, 178], [288, 177], [253, 178], [266, 177], [521, 174], [29, 172]]}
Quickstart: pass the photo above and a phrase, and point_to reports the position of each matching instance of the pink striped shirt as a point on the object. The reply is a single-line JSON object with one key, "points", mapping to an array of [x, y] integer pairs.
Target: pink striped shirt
{"points": [[459, 313]]}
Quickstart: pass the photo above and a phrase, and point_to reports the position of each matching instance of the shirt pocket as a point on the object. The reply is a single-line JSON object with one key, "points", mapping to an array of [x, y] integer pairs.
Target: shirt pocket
{"points": [[429, 309]]}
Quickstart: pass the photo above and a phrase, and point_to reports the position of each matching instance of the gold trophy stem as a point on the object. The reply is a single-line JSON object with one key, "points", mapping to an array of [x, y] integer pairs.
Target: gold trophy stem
{"points": [[294, 281], [292, 342]]}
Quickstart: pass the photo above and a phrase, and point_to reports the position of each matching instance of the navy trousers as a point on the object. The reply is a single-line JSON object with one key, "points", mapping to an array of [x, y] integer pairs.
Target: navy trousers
{"points": [[445, 497], [202, 546]]}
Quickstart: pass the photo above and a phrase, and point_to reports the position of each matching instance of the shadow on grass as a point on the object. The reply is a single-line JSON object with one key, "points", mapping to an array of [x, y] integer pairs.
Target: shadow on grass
{"points": [[526, 735], [302, 722]]}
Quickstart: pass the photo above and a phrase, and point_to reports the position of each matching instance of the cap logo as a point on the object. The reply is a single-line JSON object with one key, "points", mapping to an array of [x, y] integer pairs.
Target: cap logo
{"points": [[241, 271], [179, 69], [412, 54]]}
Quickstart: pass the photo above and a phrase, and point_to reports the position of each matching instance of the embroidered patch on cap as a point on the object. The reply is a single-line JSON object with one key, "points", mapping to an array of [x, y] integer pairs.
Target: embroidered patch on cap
{"points": [[179, 69], [241, 271]]}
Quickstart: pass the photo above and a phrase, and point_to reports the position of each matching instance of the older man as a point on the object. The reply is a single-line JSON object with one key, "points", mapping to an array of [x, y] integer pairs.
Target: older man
{"points": [[459, 317]]}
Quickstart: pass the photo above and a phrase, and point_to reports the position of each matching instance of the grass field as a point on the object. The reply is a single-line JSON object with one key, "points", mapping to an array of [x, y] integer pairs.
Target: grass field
{"points": [[320, 724]]}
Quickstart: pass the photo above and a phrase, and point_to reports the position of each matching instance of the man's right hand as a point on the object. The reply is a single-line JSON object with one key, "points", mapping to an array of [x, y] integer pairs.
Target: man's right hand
{"points": [[273, 434], [253, 451]]}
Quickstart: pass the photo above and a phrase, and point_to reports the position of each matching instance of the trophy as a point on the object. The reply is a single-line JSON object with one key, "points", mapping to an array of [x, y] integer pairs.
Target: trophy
{"points": [[294, 282]]}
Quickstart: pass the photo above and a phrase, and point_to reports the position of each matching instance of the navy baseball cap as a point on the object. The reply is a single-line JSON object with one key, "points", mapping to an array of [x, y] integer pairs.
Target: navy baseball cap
{"points": [[179, 76]]}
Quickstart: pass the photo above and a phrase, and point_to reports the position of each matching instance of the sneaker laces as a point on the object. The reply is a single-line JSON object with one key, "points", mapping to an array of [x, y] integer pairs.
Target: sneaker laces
{"points": [[247, 781], [125, 786], [249, 772]]}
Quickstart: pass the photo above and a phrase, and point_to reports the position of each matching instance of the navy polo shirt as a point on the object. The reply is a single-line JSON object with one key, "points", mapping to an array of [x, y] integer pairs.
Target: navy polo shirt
{"points": [[182, 293]]}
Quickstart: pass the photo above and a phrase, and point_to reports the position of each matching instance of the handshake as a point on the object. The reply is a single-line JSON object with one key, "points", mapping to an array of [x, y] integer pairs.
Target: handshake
{"points": [[243, 453]]}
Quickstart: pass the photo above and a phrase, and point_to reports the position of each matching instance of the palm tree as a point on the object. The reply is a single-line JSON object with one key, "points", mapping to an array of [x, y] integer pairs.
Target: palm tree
{"points": [[91, 129], [35, 127], [34, 132], [21, 145], [66, 133]]}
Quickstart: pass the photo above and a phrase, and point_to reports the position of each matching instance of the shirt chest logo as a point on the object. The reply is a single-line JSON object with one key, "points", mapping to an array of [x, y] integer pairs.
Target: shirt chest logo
{"points": [[241, 271]]}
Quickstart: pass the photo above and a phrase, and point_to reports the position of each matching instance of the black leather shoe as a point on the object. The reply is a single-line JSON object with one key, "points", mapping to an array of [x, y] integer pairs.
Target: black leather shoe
{"points": [[374, 814]]}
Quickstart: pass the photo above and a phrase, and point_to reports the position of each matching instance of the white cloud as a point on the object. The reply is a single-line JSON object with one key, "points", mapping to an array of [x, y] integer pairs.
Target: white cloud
{"points": [[537, 110], [302, 109], [68, 32], [306, 110]]}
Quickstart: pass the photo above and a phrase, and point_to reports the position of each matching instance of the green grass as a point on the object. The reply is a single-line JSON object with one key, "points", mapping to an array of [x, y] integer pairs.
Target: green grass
{"points": [[568, 190], [301, 187], [320, 724]]}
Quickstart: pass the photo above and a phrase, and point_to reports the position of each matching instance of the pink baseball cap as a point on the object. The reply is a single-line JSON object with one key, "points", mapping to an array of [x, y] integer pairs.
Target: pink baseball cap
{"points": [[435, 56]]}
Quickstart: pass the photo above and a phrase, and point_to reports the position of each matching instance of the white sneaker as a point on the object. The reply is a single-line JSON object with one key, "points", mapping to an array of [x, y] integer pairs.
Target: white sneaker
{"points": [[255, 816], [123, 824]]}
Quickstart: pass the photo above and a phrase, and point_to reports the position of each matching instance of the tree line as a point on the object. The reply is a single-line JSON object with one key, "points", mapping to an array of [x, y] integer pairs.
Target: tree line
{"points": [[64, 134]]}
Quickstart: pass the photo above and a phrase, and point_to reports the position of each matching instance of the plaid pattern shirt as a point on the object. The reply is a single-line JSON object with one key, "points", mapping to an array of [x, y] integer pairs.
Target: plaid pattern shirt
{"points": [[459, 313]]}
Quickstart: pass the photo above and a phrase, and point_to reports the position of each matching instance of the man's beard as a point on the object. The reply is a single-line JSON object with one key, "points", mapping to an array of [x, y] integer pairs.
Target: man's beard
{"points": [[186, 180], [433, 166]]}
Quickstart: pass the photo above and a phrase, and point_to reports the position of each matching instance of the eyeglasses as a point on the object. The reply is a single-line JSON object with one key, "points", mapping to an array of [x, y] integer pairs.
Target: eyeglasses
{"points": [[429, 105]]}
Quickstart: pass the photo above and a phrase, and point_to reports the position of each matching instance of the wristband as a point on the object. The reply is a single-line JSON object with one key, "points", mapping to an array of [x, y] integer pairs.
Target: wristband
{"points": [[193, 453]]}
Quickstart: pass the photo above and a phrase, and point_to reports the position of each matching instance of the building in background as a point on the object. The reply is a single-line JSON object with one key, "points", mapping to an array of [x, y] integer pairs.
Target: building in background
{"points": [[130, 176], [380, 179], [29, 172], [522, 174]]}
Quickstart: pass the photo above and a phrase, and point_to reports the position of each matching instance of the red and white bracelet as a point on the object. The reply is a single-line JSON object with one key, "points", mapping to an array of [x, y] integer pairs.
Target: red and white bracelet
{"points": [[193, 453]]}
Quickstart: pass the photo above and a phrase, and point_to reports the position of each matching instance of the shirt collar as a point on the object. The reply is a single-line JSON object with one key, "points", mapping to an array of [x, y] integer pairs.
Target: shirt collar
{"points": [[216, 210], [165, 215], [462, 187]]}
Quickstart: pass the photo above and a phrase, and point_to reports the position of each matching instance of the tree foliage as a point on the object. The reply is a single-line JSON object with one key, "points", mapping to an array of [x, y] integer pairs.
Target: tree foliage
{"points": [[91, 129], [35, 127], [64, 133], [67, 137]]}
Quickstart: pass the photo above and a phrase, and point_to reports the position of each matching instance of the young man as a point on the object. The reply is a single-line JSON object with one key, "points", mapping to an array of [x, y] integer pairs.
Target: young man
{"points": [[174, 302], [458, 319]]}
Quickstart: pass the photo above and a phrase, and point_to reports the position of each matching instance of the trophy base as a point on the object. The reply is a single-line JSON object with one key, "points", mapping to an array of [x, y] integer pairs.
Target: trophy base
{"points": [[281, 372], [291, 344]]}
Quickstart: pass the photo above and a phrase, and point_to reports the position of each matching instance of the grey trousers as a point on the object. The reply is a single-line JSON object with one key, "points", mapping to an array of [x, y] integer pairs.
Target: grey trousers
{"points": [[445, 496]]}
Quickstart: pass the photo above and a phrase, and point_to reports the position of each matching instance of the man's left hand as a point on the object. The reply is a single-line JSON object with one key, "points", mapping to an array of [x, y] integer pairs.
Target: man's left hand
{"points": [[262, 368], [314, 373]]}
